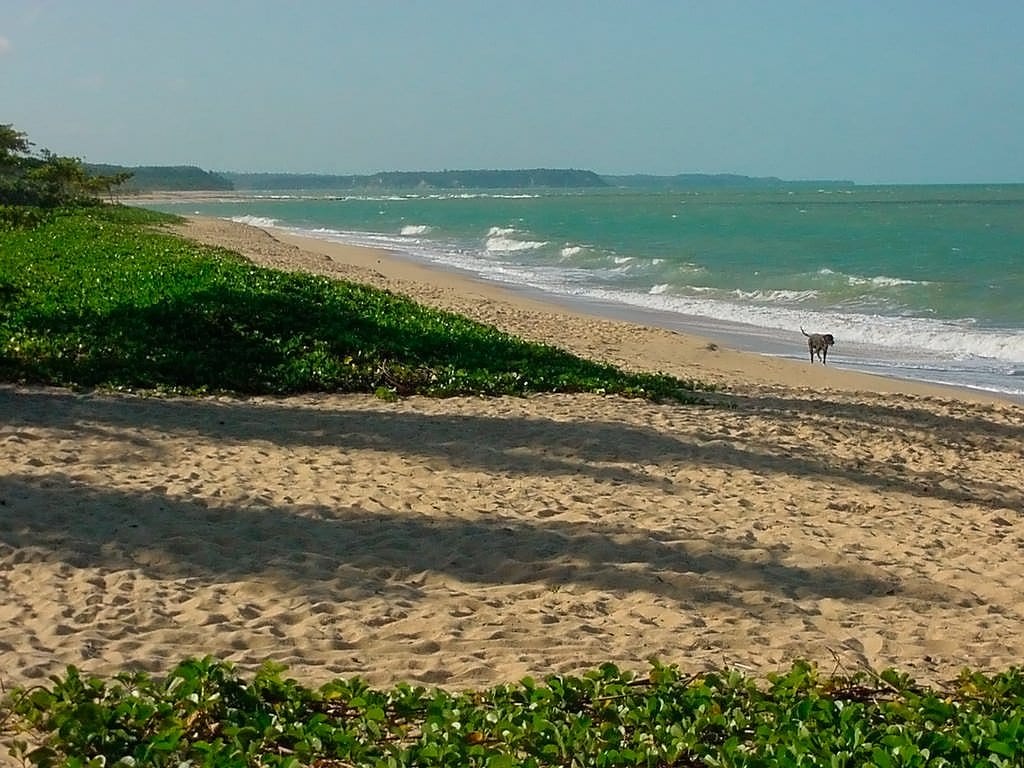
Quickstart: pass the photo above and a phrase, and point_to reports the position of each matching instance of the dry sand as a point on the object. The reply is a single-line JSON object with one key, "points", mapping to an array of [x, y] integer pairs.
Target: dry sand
{"points": [[825, 515]]}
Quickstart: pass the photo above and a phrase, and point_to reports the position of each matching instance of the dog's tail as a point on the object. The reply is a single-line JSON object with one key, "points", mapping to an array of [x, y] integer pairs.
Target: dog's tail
{"points": [[805, 333]]}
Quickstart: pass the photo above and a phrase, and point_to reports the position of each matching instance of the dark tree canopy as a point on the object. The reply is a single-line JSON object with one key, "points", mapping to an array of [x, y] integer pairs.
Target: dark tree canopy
{"points": [[12, 143], [46, 180]]}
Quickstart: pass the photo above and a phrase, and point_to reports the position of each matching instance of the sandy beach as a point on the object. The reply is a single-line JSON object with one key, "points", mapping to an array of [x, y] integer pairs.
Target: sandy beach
{"points": [[808, 512]]}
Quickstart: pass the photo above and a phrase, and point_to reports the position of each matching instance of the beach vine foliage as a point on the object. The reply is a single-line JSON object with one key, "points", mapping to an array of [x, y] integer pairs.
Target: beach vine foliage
{"points": [[205, 713], [96, 297]]}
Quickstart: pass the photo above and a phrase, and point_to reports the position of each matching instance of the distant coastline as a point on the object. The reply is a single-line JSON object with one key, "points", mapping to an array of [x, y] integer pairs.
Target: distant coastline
{"points": [[194, 179]]}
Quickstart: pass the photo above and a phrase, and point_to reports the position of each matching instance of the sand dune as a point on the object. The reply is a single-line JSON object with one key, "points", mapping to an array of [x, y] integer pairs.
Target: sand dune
{"points": [[823, 515]]}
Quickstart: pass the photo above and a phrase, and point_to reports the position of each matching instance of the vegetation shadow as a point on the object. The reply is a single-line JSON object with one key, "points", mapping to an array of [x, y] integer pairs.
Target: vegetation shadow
{"points": [[311, 547], [600, 450]]}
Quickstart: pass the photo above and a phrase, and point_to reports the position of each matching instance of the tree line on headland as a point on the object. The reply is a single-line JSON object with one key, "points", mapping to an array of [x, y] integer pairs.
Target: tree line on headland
{"points": [[30, 178], [547, 178]]}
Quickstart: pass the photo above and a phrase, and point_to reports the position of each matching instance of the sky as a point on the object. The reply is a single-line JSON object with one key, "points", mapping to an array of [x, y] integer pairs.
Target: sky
{"points": [[873, 91]]}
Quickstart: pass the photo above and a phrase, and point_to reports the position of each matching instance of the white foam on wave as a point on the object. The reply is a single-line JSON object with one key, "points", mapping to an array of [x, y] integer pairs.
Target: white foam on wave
{"points": [[502, 239], [570, 250], [412, 230], [471, 196], [763, 295], [778, 296], [882, 281], [878, 281], [958, 341], [352, 237], [256, 221]]}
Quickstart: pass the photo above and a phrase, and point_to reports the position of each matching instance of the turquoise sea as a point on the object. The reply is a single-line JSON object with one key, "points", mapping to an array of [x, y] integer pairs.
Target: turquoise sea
{"points": [[919, 282]]}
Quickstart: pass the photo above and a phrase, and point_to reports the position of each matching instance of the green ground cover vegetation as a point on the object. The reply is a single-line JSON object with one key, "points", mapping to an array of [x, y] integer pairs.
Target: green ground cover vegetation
{"points": [[205, 714]]}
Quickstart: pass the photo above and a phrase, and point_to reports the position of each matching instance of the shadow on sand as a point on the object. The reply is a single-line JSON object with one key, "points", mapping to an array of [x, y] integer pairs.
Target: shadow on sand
{"points": [[57, 516]]}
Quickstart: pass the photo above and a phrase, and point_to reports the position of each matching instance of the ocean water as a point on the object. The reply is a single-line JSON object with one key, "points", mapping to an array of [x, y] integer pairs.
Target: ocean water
{"points": [[923, 283]]}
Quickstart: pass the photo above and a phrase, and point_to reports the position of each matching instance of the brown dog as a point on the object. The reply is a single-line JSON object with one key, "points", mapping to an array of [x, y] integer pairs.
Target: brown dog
{"points": [[818, 344]]}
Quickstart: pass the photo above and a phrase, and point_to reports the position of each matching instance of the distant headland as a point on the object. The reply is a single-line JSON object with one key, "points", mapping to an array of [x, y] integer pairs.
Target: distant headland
{"points": [[194, 179]]}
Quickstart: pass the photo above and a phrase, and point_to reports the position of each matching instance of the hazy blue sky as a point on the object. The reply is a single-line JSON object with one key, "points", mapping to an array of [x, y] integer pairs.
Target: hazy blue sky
{"points": [[873, 91]]}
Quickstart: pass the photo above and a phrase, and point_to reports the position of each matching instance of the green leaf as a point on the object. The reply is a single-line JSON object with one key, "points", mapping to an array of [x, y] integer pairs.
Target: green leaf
{"points": [[881, 758], [1002, 748]]}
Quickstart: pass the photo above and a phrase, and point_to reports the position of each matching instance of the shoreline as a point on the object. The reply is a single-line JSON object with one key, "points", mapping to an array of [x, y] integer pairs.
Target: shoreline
{"points": [[854, 357], [878, 355], [737, 337], [811, 513], [728, 362]]}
